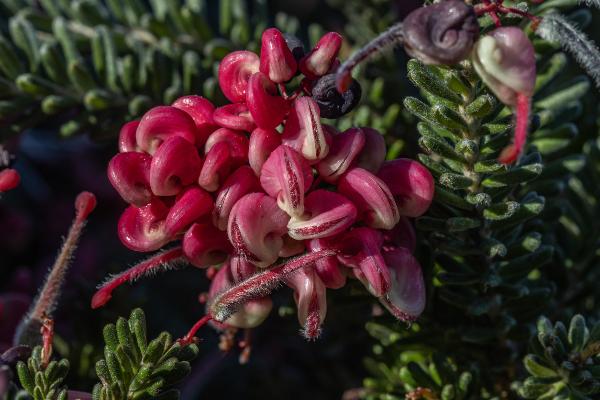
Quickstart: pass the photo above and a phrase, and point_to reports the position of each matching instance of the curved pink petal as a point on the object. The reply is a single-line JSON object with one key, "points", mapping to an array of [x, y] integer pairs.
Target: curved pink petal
{"points": [[291, 247], [234, 116], [241, 269], [303, 131], [320, 59], [311, 300], [237, 185], [256, 227], [372, 198], [190, 205], [287, 176], [267, 107], [276, 59], [406, 297], [262, 143], [127, 137], [234, 71], [374, 151], [361, 250], [226, 149], [344, 150], [175, 164], [402, 235], [143, 228], [325, 214], [162, 122], [205, 246], [410, 183], [129, 173], [328, 268], [201, 110]]}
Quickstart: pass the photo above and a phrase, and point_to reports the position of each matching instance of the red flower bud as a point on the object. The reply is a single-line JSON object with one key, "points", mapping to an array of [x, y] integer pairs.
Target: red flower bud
{"points": [[143, 228], [361, 250], [276, 60], [204, 245], [326, 214], [237, 185], [256, 227], [127, 140], [310, 297], [175, 164], [373, 153], [345, 148], [234, 116], [191, 205], [406, 297], [320, 59], [162, 122], [129, 173], [372, 197], [226, 150], [303, 131], [262, 143], [410, 183], [328, 268], [286, 176], [201, 110], [9, 179], [268, 109], [234, 71]]}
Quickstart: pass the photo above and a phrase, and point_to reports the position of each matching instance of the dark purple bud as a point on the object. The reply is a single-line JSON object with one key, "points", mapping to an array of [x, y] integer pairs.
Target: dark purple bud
{"points": [[332, 103], [295, 45], [442, 33]]}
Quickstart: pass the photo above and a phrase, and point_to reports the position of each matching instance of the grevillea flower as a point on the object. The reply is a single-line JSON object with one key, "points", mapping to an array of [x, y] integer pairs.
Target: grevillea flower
{"points": [[262, 193], [505, 60]]}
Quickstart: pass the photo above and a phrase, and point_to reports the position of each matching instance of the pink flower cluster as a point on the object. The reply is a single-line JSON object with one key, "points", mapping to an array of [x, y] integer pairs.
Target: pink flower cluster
{"points": [[262, 178]]}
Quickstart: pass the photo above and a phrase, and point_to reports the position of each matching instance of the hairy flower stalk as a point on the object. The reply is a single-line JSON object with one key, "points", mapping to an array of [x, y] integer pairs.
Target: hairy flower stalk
{"points": [[250, 184], [42, 308]]}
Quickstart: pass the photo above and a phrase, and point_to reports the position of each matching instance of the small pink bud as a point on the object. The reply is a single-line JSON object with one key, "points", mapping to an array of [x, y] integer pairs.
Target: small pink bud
{"points": [[373, 153], [276, 60], [267, 108], [320, 59], [237, 185], [204, 245], [225, 149], [241, 269], [175, 164], [162, 122], [129, 173], [191, 205], [234, 71], [143, 228], [311, 299], [372, 198], [234, 116], [85, 203], [9, 179], [256, 227], [328, 268], [201, 110], [262, 144], [361, 250], [410, 183], [325, 214], [127, 137], [345, 148], [406, 297], [303, 131], [402, 235], [287, 176]]}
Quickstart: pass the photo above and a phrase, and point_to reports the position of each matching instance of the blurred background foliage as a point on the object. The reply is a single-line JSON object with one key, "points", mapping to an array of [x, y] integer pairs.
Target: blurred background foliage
{"points": [[72, 71]]}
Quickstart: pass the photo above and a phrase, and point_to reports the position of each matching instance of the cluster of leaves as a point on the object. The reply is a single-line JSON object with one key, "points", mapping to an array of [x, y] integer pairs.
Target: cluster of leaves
{"points": [[563, 364], [132, 367], [504, 244]]}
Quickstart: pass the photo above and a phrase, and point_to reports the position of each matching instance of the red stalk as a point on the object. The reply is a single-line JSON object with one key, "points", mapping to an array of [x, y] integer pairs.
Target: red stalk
{"points": [[511, 153]]}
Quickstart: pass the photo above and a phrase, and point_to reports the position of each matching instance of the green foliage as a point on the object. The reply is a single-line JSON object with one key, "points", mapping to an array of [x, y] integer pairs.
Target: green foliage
{"points": [[43, 382], [132, 367], [88, 65], [563, 363]]}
